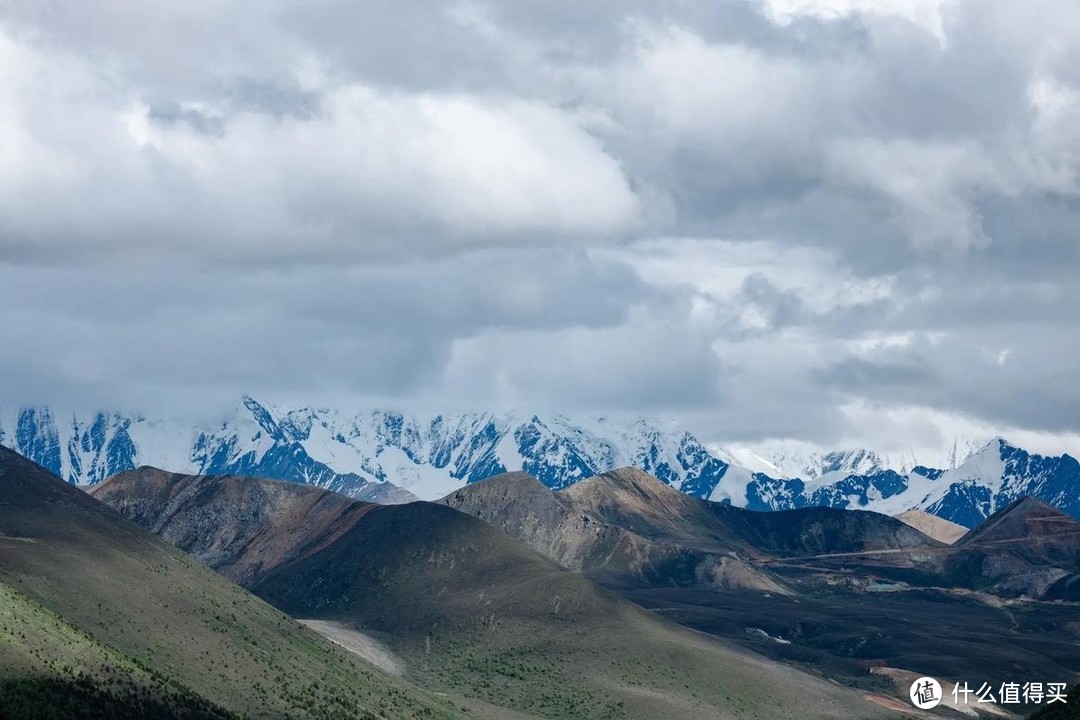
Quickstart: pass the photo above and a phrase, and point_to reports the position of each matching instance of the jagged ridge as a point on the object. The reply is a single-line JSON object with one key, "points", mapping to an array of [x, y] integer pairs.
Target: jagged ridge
{"points": [[389, 457]]}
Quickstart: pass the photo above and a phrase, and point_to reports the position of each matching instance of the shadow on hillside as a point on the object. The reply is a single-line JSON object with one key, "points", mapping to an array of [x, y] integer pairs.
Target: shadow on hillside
{"points": [[38, 698]]}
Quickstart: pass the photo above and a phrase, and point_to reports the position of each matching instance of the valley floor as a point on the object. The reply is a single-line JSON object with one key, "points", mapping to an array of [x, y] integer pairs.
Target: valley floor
{"points": [[859, 638]]}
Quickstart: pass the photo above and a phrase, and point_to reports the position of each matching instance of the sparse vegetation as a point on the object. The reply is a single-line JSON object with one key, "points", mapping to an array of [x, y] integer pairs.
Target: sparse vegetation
{"points": [[480, 619], [98, 609], [88, 698], [1069, 710]]}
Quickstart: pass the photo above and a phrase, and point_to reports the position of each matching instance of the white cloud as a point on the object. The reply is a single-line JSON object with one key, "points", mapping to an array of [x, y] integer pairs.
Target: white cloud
{"points": [[930, 186], [930, 432], [718, 268], [758, 215], [367, 168], [927, 14], [660, 361], [750, 111]]}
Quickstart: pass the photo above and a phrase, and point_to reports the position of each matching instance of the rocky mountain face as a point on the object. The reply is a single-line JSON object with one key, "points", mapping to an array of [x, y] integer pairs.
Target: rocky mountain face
{"points": [[623, 529], [627, 529], [1028, 548], [466, 606], [833, 589], [205, 515], [390, 457]]}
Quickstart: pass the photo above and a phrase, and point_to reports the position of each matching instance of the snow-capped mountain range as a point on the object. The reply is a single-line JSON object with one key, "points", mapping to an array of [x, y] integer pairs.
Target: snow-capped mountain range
{"points": [[396, 457], [789, 460]]}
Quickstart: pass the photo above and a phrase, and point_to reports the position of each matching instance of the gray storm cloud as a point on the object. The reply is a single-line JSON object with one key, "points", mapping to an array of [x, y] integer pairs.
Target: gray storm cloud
{"points": [[767, 217]]}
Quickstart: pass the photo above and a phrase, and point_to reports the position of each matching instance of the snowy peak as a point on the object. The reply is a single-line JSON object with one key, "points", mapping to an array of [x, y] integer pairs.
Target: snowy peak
{"points": [[811, 465], [797, 460], [993, 475], [390, 456], [263, 417], [749, 460], [984, 466], [964, 448], [373, 454], [851, 462]]}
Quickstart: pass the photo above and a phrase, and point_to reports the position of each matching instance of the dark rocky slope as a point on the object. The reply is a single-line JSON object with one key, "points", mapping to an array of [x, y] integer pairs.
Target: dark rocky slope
{"points": [[627, 528], [472, 611]]}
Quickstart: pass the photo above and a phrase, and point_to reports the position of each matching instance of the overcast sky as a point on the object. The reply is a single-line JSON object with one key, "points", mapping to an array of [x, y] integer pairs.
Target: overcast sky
{"points": [[848, 222]]}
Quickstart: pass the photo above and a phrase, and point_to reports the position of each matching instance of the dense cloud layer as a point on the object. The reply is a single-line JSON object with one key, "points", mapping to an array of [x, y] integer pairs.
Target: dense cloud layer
{"points": [[834, 220]]}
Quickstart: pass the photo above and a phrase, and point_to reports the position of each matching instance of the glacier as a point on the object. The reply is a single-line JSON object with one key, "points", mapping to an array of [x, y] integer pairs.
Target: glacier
{"points": [[392, 457]]}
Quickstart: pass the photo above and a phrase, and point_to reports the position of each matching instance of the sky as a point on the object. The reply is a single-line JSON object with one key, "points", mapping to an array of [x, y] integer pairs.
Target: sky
{"points": [[848, 223]]}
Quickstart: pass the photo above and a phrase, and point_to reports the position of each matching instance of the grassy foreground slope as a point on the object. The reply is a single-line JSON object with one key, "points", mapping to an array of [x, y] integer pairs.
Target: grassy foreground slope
{"points": [[53, 669], [94, 609], [473, 612]]}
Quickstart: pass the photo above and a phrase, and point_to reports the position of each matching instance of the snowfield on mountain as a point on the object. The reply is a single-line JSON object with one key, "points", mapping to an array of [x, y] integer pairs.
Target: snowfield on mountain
{"points": [[393, 457]]}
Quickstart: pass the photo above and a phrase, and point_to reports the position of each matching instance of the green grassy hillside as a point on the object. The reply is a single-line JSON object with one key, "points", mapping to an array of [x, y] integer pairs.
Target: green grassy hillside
{"points": [[52, 669], [90, 598]]}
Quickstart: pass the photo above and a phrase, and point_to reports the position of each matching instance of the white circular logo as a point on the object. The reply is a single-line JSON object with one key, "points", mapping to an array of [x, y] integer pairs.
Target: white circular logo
{"points": [[925, 693]]}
